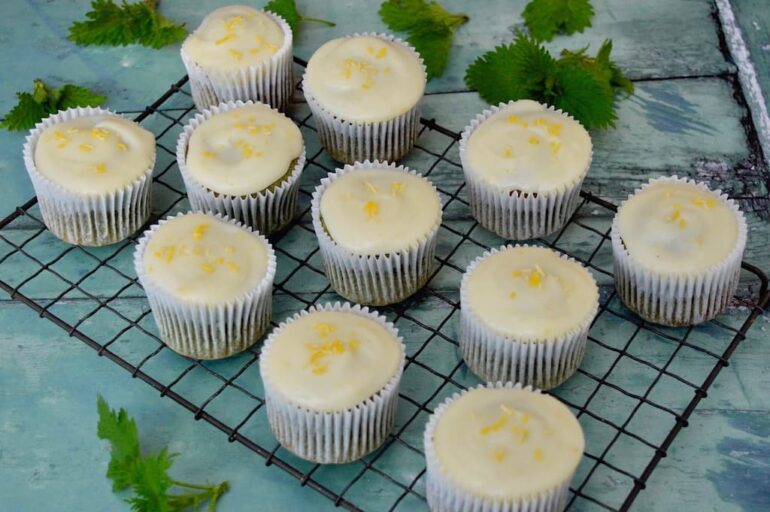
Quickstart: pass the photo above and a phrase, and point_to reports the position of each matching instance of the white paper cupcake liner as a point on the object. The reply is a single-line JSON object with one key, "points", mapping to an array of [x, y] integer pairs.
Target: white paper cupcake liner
{"points": [[542, 363], [87, 219], [517, 215], [380, 279], [444, 495], [678, 299], [269, 81], [266, 211], [350, 141], [331, 437], [207, 331]]}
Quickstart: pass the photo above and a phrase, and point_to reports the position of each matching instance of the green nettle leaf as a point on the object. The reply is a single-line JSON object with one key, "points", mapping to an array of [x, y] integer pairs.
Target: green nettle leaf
{"points": [[32, 107], [287, 9], [110, 24], [581, 85], [546, 18], [430, 29], [147, 476]]}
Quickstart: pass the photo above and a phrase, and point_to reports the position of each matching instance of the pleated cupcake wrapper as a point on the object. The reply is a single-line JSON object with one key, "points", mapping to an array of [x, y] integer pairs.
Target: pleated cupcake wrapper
{"points": [[209, 331], [517, 215], [379, 279], [678, 299], [445, 495], [87, 219], [269, 81], [352, 141], [541, 363], [266, 211], [332, 437]]}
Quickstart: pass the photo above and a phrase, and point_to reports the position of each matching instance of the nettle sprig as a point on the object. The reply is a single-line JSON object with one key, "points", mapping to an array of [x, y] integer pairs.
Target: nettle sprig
{"points": [[147, 475], [546, 18], [287, 9], [576, 83]]}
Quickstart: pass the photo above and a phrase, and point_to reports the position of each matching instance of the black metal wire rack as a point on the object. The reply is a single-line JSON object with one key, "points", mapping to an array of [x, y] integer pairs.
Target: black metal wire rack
{"points": [[636, 389]]}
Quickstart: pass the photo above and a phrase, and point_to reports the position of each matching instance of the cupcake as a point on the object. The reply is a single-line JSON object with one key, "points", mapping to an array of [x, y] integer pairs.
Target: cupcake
{"points": [[240, 53], [92, 171], [503, 448], [677, 247], [243, 160], [525, 312], [377, 226], [524, 164], [209, 281], [364, 92], [331, 377]]}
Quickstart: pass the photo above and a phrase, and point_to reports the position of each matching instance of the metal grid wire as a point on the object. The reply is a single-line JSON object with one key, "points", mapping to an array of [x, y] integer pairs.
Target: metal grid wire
{"points": [[634, 392]]}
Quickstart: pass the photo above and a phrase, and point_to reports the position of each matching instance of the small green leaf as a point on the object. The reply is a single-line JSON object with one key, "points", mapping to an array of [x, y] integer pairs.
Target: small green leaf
{"points": [[287, 9], [546, 18], [25, 114], [430, 29], [150, 483], [75, 96], [120, 430]]}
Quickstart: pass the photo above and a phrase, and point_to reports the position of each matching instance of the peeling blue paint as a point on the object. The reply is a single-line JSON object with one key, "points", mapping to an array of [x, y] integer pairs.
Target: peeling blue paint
{"points": [[740, 481], [667, 111]]}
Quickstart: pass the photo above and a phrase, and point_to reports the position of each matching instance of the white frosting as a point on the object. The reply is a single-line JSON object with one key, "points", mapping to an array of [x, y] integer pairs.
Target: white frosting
{"points": [[379, 211], [507, 443], [531, 293], [94, 154], [528, 147], [677, 227], [244, 150], [234, 37], [332, 360], [365, 78], [203, 259]]}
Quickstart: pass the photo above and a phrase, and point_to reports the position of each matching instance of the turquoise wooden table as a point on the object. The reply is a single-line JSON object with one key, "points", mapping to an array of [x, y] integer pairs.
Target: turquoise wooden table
{"points": [[700, 67]]}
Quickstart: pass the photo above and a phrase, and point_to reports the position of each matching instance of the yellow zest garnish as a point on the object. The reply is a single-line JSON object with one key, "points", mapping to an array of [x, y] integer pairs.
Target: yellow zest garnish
{"points": [[554, 129], [538, 455], [682, 223], [534, 140], [59, 136], [121, 146], [371, 209], [381, 53], [705, 203], [516, 273], [353, 344], [366, 85], [320, 370], [494, 427], [324, 329], [555, 146], [86, 147], [219, 260], [229, 249], [514, 119], [99, 133], [253, 50], [224, 39], [386, 69], [236, 54], [207, 268], [539, 121], [199, 231], [500, 454], [62, 145], [337, 347], [370, 187], [512, 295], [209, 154], [270, 47], [101, 168], [536, 277], [232, 267], [397, 187], [508, 152], [167, 253], [524, 417], [234, 22], [675, 214], [521, 432], [508, 411]]}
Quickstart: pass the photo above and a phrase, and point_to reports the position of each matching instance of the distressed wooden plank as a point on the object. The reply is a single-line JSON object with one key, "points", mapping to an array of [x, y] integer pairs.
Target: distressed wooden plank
{"points": [[753, 17]]}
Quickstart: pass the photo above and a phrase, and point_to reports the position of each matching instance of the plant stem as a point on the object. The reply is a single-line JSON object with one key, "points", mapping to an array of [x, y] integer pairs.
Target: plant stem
{"points": [[152, 4], [318, 20]]}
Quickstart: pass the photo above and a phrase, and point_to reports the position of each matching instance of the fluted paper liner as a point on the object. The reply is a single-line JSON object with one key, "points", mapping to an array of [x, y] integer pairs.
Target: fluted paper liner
{"points": [[379, 279], [331, 437], [209, 331], [542, 363], [445, 495], [87, 219], [266, 211], [678, 298], [354, 141], [517, 215], [269, 81]]}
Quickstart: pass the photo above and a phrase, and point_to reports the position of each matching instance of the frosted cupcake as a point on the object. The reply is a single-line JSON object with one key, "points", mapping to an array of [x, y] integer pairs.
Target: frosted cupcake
{"points": [[501, 447], [92, 171], [678, 248], [377, 226], [209, 281], [364, 92], [243, 160], [331, 377], [524, 164], [239, 53], [525, 314]]}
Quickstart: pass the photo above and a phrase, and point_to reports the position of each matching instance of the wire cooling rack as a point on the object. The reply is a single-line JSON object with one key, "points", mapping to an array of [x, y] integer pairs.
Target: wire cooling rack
{"points": [[636, 389]]}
